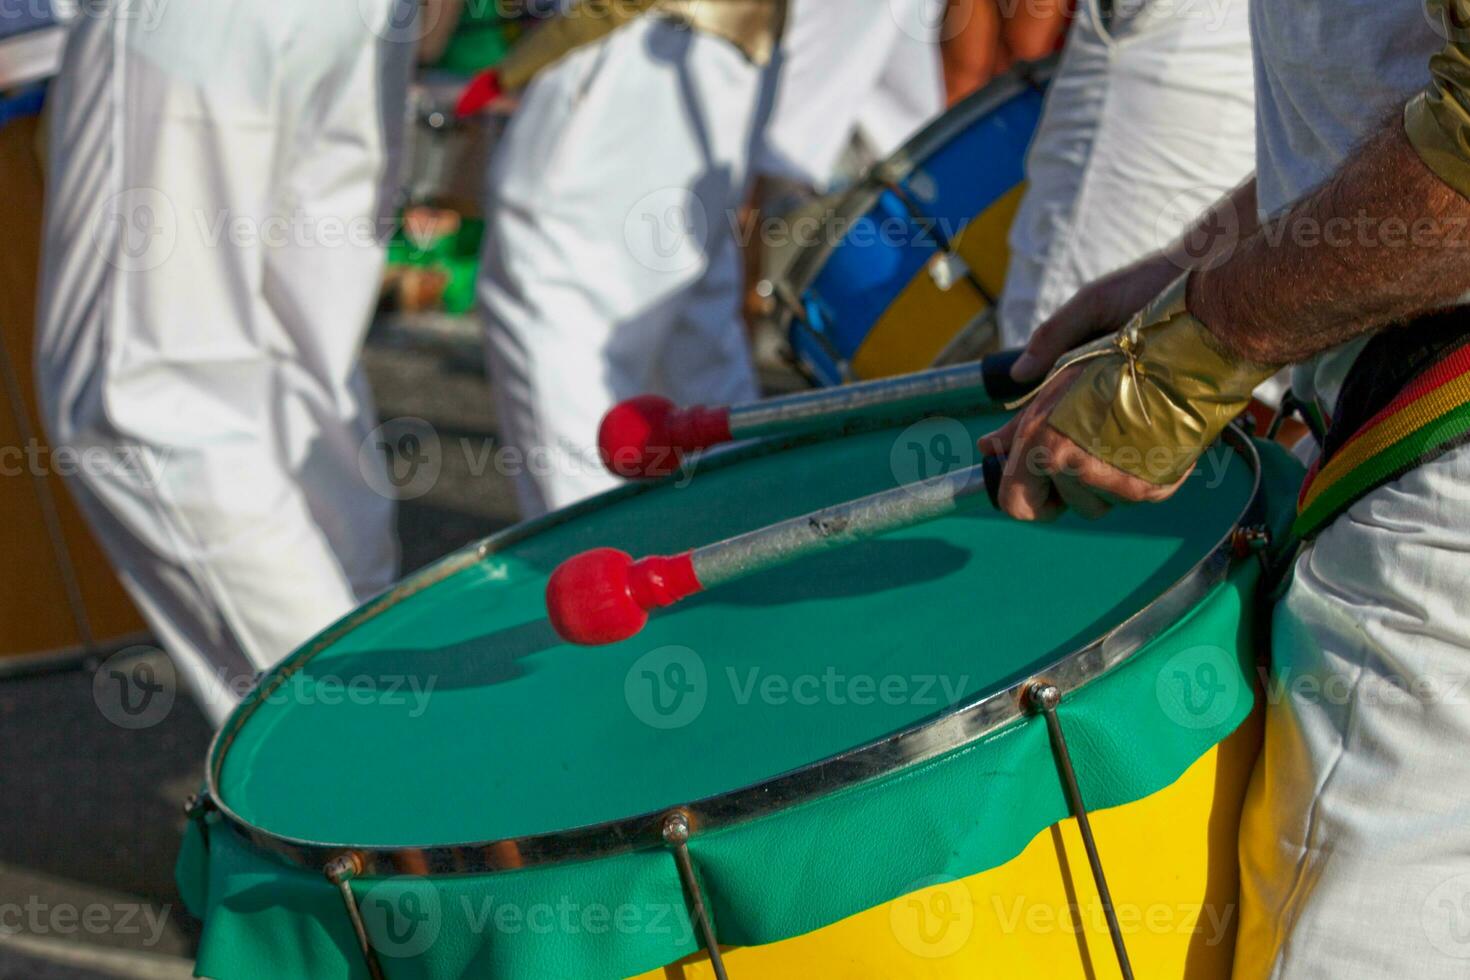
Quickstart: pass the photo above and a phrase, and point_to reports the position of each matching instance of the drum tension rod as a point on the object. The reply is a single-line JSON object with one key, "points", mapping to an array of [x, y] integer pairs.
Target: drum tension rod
{"points": [[946, 246], [197, 808], [676, 832], [340, 871], [1044, 698]]}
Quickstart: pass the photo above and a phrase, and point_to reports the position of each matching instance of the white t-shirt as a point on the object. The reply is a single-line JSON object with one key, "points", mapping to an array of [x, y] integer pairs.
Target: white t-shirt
{"points": [[1328, 73]]}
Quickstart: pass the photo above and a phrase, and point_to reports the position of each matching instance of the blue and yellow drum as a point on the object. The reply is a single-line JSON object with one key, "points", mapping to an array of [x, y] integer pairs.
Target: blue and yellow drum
{"points": [[915, 255], [437, 787]]}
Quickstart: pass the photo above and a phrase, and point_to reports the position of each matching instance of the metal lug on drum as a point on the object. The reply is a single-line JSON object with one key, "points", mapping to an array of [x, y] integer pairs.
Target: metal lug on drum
{"points": [[947, 269], [676, 833], [340, 871], [197, 808], [1250, 540], [1043, 697], [198, 805]]}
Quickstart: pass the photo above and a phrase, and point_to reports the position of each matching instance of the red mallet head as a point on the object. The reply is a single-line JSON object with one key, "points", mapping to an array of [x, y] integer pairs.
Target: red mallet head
{"points": [[648, 436], [604, 596]]}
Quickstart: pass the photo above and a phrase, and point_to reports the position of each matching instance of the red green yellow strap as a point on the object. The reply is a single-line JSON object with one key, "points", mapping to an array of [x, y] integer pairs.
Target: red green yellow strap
{"points": [[1428, 417]]}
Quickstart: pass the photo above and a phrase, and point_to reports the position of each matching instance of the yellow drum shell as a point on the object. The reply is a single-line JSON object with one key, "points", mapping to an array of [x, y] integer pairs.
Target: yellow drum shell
{"points": [[38, 615], [1171, 864]]}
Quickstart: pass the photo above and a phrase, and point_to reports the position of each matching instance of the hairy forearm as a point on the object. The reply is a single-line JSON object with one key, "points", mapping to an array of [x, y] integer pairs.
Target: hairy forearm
{"points": [[1381, 242]]}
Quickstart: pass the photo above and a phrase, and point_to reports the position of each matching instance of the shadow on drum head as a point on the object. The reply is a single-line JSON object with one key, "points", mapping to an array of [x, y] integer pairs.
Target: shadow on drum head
{"points": [[493, 658]]}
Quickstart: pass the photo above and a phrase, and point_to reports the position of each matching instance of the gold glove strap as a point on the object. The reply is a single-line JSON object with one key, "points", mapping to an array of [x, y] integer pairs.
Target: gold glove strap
{"points": [[1152, 398]]}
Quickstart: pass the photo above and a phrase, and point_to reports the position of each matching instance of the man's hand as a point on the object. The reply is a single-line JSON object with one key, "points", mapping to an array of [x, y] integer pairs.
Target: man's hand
{"points": [[1100, 307], [1047, 473]]}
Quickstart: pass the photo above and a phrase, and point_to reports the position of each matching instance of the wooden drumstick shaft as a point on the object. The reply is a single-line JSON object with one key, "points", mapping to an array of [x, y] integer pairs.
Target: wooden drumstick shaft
{"points": [[604, 596], [650, 436]]}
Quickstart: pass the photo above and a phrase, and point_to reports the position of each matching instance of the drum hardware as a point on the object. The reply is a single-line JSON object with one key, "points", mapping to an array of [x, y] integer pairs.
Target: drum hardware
{"points": [[922, 185], [948, 257], [946, 269], [765, 291], [1043, 698], [197, 809], [793, 304], [340, 871], [676, 832], [1250, 540], [783, 296]]}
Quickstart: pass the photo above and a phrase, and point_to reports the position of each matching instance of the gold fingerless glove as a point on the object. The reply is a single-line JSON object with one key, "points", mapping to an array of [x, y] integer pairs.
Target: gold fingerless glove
{"points": [[1155, 395]]}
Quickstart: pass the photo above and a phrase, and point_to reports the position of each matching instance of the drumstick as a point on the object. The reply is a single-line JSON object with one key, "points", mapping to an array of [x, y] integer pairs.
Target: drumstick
{"points": [[649, 436], [604, 596]]}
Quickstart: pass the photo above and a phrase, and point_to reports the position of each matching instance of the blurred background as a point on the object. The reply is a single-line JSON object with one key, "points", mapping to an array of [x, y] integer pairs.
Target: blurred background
{"points": [[90, 811]]}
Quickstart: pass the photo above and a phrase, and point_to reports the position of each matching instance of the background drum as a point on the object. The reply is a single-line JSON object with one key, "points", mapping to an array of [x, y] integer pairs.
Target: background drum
{"points": [[907, 273], [846, 739], [58, 595]]}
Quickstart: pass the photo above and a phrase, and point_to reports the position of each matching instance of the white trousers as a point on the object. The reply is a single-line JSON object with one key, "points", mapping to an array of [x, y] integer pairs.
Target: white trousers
{"points": [[1355, 849], [216, 197], [1145, 127], [611, 265], [872, 65]]}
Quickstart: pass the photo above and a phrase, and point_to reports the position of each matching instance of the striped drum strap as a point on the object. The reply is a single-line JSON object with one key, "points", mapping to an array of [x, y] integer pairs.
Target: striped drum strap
{"points": [[1406, 402]]}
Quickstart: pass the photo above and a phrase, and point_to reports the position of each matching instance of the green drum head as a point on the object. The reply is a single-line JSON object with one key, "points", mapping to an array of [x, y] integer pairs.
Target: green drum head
{"points": [[456, 715]]}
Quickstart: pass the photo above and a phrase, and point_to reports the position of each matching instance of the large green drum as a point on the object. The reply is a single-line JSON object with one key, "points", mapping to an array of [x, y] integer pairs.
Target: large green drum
{"points": [[438, 787]]}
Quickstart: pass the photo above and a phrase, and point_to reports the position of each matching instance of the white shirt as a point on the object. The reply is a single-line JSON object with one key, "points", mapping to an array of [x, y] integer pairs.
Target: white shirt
{"points": [[1328, 73]]}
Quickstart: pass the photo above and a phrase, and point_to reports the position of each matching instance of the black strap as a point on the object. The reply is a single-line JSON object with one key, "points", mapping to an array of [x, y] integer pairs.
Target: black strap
{"points": [[1391, 360]]}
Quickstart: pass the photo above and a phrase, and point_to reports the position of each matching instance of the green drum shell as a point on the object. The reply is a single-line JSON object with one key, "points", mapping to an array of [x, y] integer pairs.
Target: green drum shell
{"points": [[777, 859]]}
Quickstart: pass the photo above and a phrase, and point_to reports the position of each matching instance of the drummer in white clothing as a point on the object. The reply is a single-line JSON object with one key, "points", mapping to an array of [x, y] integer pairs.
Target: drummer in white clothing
{"points": [[611, 266], [216, 199], [1347, 260]]}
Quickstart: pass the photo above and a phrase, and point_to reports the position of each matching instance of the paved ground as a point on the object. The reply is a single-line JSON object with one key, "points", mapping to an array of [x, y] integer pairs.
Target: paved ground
{"points": [[90, 813]]}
